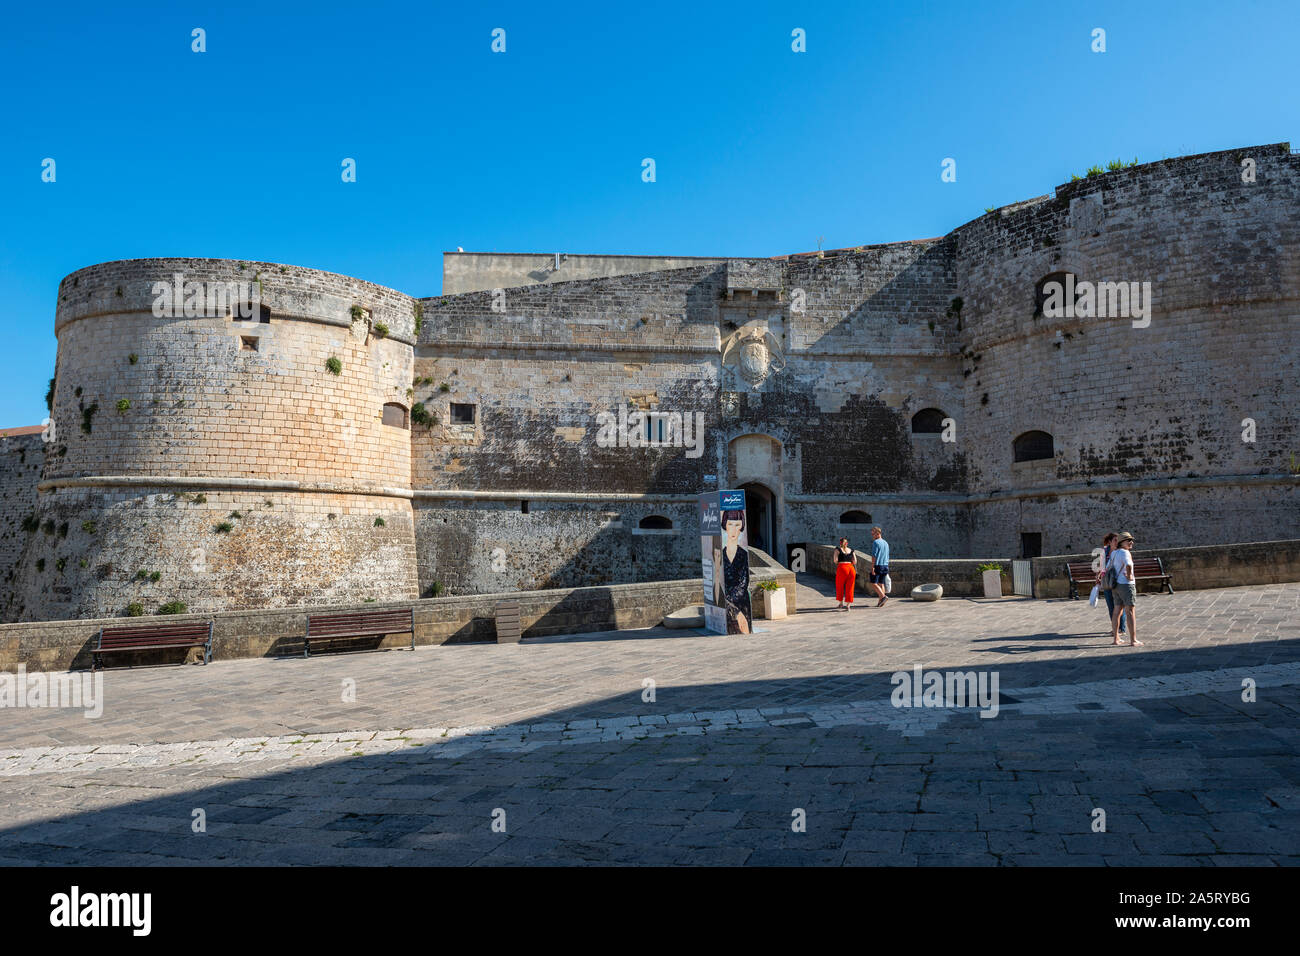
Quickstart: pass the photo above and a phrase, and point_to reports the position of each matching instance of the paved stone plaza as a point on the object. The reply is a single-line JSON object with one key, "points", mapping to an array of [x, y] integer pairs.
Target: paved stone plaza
{"points": [[741, 733]]}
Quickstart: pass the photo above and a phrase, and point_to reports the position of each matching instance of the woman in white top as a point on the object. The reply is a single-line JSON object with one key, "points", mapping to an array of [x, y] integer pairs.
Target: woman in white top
{"points": [[1125, 590]]}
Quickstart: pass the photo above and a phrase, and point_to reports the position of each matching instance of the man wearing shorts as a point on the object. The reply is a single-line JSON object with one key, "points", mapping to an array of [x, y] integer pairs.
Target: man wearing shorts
{"points": [[1125, 590], [879, 564]]}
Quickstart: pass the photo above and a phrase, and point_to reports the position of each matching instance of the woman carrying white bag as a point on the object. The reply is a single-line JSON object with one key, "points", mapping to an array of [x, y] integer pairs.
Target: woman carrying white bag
{"points": [[1107, 549]]}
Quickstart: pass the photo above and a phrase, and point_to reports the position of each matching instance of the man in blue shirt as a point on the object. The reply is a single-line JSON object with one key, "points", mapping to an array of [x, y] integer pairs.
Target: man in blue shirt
{"points": [[879, 564]]}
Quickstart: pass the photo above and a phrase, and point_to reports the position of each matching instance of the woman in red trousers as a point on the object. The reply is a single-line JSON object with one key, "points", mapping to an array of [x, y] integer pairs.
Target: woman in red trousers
{"points": [[846, 572]]}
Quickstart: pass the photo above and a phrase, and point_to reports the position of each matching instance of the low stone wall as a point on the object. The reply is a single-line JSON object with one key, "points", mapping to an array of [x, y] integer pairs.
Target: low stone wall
{"points": [[271, 632], [959, 577], [1193, 569]]}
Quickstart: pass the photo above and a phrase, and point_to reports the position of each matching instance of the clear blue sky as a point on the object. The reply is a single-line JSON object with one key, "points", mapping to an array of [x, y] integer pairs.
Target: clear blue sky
{"points": [[236, 152]]}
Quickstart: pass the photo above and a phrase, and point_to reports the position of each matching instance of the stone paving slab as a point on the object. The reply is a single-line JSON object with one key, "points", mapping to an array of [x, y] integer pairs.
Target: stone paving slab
{"points": [[904, 800], [740, 734], [817, 655]]}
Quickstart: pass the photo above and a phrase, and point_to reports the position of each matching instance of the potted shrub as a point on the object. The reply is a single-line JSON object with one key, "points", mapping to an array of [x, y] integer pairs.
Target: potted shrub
{"points": [[771, 600], [992, 577]]}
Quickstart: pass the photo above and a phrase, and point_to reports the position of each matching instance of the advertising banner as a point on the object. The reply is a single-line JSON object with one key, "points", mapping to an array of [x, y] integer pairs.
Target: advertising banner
{"points": [[724, 556]]}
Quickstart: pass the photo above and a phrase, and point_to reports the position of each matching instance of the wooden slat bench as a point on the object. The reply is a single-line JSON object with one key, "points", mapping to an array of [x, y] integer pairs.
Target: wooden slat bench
{"points": [[148, 637], [1144, 569], [350, 624], [1080, 572]]}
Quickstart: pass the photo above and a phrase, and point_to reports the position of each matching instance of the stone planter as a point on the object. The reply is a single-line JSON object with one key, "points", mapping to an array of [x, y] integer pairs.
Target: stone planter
{"points": [[927, 592], [771, 604], [992, 583]]}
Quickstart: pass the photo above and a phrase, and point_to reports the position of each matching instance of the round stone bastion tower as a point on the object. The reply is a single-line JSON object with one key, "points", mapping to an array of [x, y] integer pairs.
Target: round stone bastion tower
{"points": [[224, 434]]}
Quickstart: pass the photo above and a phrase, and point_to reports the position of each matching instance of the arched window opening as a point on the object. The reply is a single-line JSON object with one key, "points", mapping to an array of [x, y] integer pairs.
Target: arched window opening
{"points": [[1033, 446], [396, 415], [1053, 287], [928, 421], [855, 517], [656, 523]]}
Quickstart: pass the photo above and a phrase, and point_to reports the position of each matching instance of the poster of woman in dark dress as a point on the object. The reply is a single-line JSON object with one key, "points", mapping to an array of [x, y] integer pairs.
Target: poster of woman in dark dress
{"points": [[735, 573]]}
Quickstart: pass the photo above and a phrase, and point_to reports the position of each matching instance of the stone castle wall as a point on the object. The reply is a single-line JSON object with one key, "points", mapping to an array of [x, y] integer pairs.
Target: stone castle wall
{"points": [[806, 373], [1134, 407], [22, 455], [223, 456], [479, 271]]}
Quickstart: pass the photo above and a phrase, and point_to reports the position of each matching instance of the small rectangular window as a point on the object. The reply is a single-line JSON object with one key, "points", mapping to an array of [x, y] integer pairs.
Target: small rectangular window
{"points": [[462, 414], [1031, 544]]}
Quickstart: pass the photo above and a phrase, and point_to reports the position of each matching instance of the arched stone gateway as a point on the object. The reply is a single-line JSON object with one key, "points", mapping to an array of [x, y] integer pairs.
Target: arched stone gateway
{"points": [[754, 465], [760, 515]]}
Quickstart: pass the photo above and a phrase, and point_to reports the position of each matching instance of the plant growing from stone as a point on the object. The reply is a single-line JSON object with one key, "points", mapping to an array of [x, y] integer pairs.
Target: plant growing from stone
{"points": [[88, 416], [133, 358], [380, 329], [172, 607], [89, 527], [422, 416], [123, 404], [224, 527], [379, 522], [135, 609], [333, 365]]}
